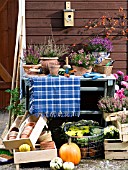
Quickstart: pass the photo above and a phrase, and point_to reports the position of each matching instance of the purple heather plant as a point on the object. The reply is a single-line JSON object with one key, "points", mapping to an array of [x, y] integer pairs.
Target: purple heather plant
{"points": [[99, 44], [110, 104], [31, 54]]}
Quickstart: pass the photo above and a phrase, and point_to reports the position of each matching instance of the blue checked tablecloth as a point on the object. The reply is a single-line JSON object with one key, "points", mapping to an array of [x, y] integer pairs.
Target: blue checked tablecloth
{"points": [[55, 96]]}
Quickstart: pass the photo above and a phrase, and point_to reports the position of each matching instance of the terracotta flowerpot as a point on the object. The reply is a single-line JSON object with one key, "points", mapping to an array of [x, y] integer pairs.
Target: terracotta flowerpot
{"points": [[45, 61], [92, 152], [45, 137], [54, 69], [27, 130], [47, 145], [81, 70], [27, 68], [84, 152], [12, 135]]}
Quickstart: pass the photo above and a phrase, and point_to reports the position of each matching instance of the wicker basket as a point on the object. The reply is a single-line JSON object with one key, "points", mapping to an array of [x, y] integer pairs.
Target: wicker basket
{"points": [[103, 69], [104, 61]]}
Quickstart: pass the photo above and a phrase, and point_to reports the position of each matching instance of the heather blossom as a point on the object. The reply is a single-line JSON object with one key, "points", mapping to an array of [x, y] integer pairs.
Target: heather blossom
{"points": [[98, 44], [110, 104], [31, 54]]}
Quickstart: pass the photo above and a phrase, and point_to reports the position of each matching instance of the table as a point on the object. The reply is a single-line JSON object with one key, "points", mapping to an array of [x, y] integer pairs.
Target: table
{"points": [[86, 89]]}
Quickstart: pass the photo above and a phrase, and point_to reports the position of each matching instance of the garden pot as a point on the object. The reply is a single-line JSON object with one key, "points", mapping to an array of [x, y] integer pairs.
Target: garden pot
{"points": [[54, 69], [45, 61], [12, 135], [27, 130], [47, 145], [84, 152], [45, 137], [81, 70], [100, 54], [27, 68]]}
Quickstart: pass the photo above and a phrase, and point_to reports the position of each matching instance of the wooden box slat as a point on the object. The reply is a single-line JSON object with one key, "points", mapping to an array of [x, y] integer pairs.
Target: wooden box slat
{"points": [[115, 149]]}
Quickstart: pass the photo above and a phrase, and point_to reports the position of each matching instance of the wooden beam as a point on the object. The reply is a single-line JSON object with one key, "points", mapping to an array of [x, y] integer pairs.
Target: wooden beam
{"points": [[4, 74]]}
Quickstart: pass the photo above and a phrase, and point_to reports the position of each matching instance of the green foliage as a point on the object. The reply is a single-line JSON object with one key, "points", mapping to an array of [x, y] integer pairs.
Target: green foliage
{"points": [[15, 106]]}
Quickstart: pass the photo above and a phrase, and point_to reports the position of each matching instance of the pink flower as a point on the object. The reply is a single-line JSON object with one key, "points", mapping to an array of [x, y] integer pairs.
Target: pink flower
{"points": [[80, 62], [126, 78], [81, 51], [124, 83], [120, 94], [116, 75], [120, 73]]}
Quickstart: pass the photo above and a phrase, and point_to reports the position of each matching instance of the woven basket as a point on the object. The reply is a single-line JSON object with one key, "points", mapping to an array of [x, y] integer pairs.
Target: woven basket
{"points": [[103, 69]]}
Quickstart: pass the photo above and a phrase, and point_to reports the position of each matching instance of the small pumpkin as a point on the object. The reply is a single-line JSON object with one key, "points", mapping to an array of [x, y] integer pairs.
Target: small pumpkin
{"points": [[24, 148], [68, 166], [70, 152], [56, 163]]}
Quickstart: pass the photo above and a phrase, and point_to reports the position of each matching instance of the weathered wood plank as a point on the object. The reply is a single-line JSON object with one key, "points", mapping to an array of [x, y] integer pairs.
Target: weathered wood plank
{"points": [[75, 5], [34, 14], [54, 23], [64, 39]]}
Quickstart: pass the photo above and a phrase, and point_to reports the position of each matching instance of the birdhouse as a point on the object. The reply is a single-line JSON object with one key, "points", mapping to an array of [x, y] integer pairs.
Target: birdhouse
{"points": [[68, 15]]}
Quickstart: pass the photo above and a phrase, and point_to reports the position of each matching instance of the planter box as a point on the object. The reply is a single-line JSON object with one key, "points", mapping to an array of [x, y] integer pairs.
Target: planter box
{"points": [[123, 131], [115, 149], [15, 143], [33, 156]]}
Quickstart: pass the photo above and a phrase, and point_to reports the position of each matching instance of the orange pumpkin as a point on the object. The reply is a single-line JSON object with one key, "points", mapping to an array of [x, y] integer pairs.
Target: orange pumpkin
{"points": [[70, 152]]}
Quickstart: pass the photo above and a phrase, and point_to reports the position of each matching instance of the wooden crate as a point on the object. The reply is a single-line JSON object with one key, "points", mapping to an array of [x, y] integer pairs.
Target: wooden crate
{"points": [[33, 156], [110, 116], [115, 149], [123, 131], [15, 143]]}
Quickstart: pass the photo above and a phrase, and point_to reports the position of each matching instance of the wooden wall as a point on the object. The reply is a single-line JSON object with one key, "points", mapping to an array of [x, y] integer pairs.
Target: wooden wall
{"points": [[8, 23], [44, 15]]}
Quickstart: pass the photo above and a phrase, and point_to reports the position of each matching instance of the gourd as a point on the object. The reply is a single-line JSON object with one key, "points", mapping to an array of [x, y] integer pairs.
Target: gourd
{"points": [[24, 148], [68, 166], [70, 152], [56, 163]]}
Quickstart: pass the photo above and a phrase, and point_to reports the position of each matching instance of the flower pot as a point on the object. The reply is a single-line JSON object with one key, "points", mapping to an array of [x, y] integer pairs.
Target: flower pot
{"points": [[12, 135], [100, 54], [84, 152], [45, 61], [28, 67], [47, 145], [27, 130], [81, 70], [45, 137], [54, 69]]}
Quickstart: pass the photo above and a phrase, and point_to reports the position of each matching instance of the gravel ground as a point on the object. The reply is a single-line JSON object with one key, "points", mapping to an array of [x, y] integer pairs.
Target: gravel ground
{"points": [[85, 164]]}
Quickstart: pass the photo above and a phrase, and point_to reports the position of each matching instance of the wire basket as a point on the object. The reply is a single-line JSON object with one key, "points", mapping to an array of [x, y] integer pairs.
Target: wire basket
{"points": [[90, 146], [103, 69]]}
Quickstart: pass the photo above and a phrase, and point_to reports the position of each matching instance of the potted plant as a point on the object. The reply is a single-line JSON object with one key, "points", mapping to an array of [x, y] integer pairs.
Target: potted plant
{"points": [[31, 54], [51, 53], [110, 106], [111, 132], [82, 62], [31, 57], [100, 47]]}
